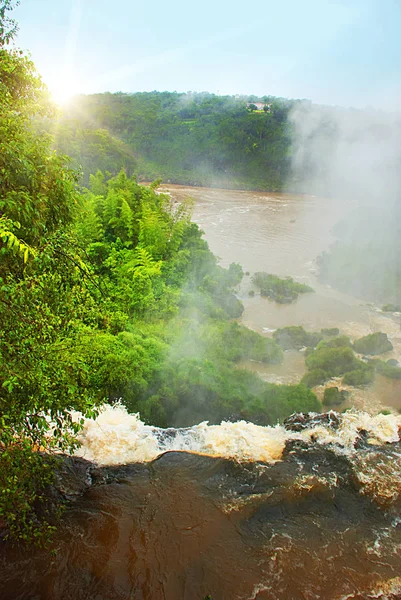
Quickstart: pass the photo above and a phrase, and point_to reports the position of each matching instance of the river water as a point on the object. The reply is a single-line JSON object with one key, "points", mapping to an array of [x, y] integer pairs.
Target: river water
{"points": [[283, 234]]}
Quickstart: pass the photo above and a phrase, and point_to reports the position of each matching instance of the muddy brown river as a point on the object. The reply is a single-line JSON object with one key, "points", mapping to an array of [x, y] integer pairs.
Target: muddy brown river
{"points": [[283, 234]]}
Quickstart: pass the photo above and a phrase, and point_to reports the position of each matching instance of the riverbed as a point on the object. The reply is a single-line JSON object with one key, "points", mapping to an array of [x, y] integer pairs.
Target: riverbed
{"points": [[283, 234]]}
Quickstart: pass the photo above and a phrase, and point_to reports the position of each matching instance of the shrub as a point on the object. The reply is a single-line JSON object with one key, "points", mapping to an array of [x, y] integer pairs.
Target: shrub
{"points": [[334, 361], [283, 291], [391, 308], [279, 402], [314, 377], [330, 331], [359, 377], [234, 342], [293, 337], [393, 372], [333, 396], [342, 341], [374, 343]]}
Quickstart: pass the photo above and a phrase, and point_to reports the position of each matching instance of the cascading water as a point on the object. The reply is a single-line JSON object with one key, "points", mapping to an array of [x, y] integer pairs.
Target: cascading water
{"points": [[310, 509], [117, 437]]}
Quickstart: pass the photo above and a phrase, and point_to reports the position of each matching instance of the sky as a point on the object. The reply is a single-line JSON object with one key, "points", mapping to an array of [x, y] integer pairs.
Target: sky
{"points": [[336, 52]]}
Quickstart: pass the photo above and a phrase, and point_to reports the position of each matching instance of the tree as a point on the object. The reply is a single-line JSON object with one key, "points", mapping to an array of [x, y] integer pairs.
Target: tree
{"points": [[44, 298], [8, 27]]}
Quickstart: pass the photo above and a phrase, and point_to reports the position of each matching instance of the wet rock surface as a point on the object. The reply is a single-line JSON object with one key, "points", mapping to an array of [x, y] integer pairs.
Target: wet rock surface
{"points": [[320, 523], [301, 421]]}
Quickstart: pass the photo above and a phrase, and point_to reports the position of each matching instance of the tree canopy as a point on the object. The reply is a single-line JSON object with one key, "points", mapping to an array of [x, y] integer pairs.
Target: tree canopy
{"points": [[192, 138]]}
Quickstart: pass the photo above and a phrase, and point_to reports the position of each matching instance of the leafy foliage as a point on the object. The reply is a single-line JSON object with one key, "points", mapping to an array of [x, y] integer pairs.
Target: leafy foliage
{"points": [[391, 308], [333, 396], [335, 357], [391, 371], [334, 361], [198, 139], [8, 27], [295, 338], [283, 291], [340, 341], [314, 377], [330, 331], [359, 377], [374, 343], [43, 300]]}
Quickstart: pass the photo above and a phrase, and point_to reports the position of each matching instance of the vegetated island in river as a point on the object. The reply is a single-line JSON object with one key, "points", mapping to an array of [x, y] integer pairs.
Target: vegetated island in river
{"points": [[283, 291]]}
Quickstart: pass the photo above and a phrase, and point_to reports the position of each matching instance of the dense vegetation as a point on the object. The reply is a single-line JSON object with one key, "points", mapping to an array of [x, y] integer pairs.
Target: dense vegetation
{"points": [[107, 293], [374, 343], [334, 357], [333, 396], [190, 138], [330, 331], [295, 337], [388, 370], [283, 291], [391, 308]]}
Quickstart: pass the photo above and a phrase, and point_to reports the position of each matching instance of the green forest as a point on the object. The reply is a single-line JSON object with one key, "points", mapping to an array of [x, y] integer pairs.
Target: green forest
{"points": [[108, 292], [189, 138]]}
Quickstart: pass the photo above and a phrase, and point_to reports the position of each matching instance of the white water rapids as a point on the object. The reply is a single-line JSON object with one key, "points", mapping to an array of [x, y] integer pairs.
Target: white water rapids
{"points": [[117, 437]]}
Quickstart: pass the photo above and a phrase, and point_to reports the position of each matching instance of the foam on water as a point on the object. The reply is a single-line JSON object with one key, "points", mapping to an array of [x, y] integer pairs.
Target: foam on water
{"points": [[117, 437]]}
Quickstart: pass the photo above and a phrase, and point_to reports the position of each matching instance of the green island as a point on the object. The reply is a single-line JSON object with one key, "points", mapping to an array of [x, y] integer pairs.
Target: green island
{"points": [[295, 337], [391, 308], [334, 396], [335, 357], [374, 343], [283, 291]]}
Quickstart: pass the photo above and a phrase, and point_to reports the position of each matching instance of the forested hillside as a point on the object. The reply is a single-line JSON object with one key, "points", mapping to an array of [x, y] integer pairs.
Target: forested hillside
{"points": [[192, 138]]}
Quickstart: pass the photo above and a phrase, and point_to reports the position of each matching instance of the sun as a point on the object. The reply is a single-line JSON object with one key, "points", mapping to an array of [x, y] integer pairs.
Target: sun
{"points": [[63, 91]]}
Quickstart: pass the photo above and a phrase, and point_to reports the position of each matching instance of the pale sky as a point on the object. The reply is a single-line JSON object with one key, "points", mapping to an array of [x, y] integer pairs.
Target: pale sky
{"points": [[345, 52]]}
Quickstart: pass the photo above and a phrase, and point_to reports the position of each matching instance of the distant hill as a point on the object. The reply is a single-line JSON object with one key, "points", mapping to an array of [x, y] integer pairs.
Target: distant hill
{"points": [[189, 138]]}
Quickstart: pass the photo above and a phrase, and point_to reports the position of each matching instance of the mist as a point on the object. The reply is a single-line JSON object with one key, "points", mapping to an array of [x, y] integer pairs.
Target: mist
{"points": [[352, 159]]}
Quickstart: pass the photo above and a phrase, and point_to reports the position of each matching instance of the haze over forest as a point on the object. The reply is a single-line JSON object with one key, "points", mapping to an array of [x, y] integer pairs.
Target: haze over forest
{"points": [[263, 143]]}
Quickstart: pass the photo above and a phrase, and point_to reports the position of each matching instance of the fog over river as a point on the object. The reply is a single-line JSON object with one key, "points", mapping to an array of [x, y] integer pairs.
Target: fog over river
{"points": [[283, 234]]}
